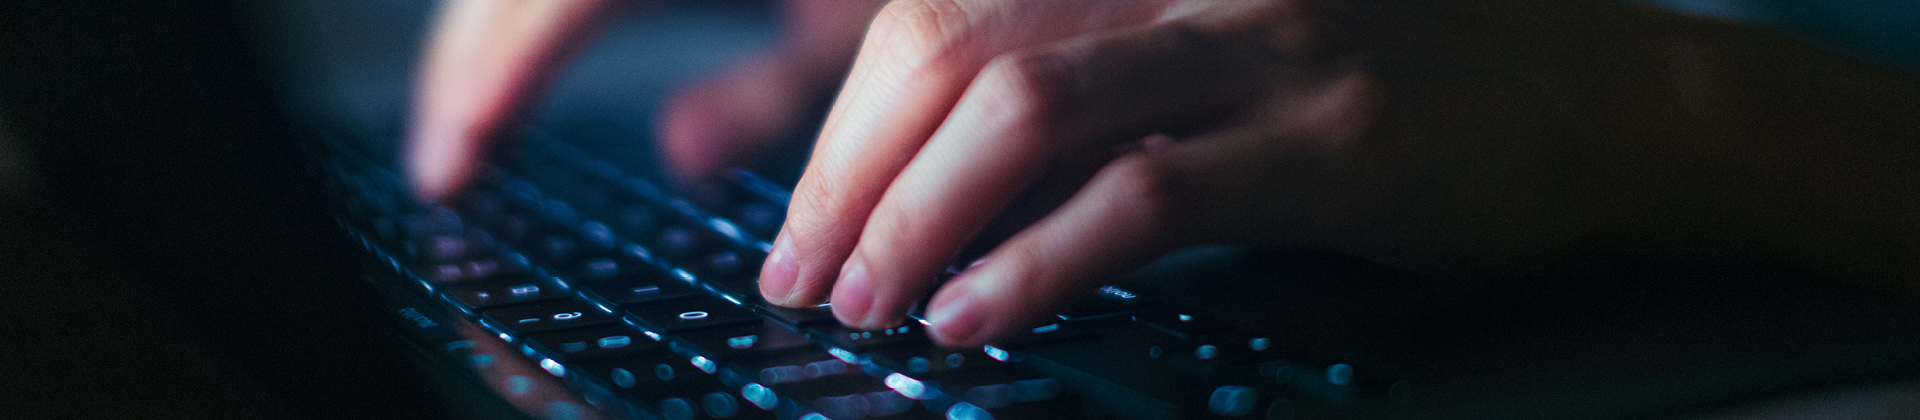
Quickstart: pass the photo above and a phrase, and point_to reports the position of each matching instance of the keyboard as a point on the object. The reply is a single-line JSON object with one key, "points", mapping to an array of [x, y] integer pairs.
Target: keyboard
{"points": [[644, 305]]}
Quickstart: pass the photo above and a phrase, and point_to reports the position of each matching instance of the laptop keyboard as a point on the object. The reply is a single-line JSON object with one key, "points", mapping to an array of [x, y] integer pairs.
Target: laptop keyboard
{"points": [[645, 304]]}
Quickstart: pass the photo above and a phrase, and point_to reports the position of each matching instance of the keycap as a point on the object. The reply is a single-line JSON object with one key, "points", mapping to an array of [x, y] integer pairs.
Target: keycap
{"points": [[732, 272], [671, 316], [473, 296], [799, 317], [590, 343], [1233, 401], [850, 339], [761, 219], [438, 220], [634, 287], [743, 343], [633, 218], [1066, 331], [1107, 301], [546, 316], [1182, 322]]}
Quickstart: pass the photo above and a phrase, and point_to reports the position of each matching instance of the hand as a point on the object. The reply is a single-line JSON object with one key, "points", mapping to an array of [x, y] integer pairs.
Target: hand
{"points": [[1464, 138], [489, 59]]}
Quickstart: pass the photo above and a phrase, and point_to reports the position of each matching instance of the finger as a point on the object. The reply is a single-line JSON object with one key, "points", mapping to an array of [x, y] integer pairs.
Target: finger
{"points": [[1287, 180], [1133, 210], [1027, 114], [735, 119], [484, 63], [916, 60], [727, 122]]}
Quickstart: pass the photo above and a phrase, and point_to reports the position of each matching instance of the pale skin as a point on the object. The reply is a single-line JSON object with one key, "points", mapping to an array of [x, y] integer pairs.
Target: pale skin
{"points": [[1460, 138]]}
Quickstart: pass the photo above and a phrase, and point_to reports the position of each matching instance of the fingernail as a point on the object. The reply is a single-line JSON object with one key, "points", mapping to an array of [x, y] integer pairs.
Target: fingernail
{"points": [[956, 320], [853, 295], [976, 263], [780, 272]]}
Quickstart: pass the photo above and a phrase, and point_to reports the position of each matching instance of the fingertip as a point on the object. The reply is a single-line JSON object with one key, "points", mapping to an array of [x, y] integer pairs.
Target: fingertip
{"points": [[691, 136], [781, 271], [431, 171], [853, 296], [955, 319]]}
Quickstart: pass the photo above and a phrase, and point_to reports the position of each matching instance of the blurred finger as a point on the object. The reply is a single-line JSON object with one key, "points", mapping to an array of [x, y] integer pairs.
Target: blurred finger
{"points": [[485, 61], [735, 119]]}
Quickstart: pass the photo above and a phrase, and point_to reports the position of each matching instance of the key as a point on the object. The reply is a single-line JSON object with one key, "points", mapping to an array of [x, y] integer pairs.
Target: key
{"points": [[799, 317], [591, 343], [1182, 322], [672, 316], [734, 272], [742, 343], [473, 296], [1108, 301], [546, 316], [635, 287]]}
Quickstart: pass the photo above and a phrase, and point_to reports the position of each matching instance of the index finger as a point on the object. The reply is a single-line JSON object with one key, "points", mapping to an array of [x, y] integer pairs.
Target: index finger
{"points": [[917, 59], [485, 61]]}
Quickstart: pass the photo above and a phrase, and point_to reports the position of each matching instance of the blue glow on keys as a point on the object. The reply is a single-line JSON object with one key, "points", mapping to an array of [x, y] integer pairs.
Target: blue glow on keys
{"points": [[759, 396], [997, 354], [1206, 352], [825, 368], [720, 405], [908, 387], [614, 342], [705, 364], [1233, 401], [553, 367], [662, 371], [1340, 374], [622, 378], [782, 374], [965, 411], [676, 409], [843, 355], [742, 342]]}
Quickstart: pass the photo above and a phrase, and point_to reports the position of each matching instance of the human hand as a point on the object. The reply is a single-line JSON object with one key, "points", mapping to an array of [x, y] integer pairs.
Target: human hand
{"points": [[488, 60], [1465, 138]]}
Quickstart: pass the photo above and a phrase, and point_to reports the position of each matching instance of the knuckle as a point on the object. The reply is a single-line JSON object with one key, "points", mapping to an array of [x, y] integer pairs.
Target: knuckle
{"points": [[920, 25], [1150, 188], [815, 206], [1032, 266], [1032, 88]]}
